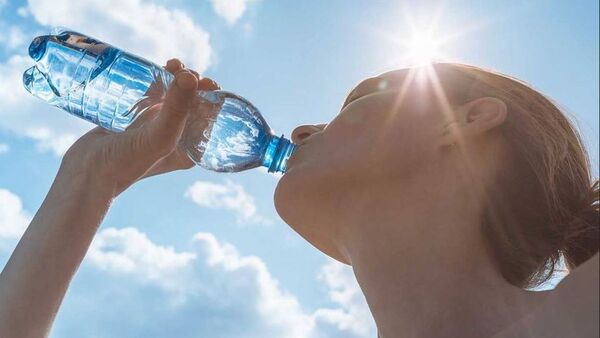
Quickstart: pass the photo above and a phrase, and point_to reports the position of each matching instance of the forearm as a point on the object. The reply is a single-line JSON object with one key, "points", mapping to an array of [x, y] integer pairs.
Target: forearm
{"points": [[100, 165], [35, 279]]}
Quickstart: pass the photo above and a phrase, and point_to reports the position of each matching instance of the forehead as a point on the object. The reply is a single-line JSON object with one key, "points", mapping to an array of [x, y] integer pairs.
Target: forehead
{"points": [[439, 80], [396, 80], [380, 82]]}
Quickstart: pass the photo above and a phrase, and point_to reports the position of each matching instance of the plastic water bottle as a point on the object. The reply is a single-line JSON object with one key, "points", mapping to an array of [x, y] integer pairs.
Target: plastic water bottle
{"points": [[111, 88]]}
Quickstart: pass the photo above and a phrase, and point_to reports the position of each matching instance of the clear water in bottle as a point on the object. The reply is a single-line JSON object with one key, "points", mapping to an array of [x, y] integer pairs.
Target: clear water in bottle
{"points": [[111, 88]]}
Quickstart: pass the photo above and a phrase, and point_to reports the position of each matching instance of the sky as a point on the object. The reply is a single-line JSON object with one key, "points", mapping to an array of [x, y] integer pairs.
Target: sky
{"points": [[202, 254]]}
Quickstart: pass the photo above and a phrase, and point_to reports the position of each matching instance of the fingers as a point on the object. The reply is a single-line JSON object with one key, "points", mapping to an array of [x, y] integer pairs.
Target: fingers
{"points": [[204, 83], [180, 95], [207, 84], [165, 130], [179, 99], [158, 134], [174, 65]]}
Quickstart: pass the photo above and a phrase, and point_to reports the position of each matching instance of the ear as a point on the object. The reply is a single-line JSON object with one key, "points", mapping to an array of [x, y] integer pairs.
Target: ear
{"points": [[475, 118]]}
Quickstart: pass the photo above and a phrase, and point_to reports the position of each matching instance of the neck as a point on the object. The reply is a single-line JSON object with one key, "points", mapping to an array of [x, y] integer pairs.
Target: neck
{"points": [[423, 267]]}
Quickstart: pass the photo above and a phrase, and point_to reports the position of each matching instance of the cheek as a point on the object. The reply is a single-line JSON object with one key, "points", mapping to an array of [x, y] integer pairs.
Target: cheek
{"points": [[357, 148], [400, 149], [397, 148], [409, 147]]}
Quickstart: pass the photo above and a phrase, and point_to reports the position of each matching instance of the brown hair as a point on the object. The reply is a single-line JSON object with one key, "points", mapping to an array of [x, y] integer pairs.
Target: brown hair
{"points": [[544, 204]]}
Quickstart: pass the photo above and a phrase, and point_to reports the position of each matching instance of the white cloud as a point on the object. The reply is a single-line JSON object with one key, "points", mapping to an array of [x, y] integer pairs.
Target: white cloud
{"points": [[4, 148], [230, 10], [278, 309], [228, 196], [23, 12], [352, 318], [13, 222], [209, 291], [13, 219], [131, 252], [12, 37], [26, 115], [141, 27]]}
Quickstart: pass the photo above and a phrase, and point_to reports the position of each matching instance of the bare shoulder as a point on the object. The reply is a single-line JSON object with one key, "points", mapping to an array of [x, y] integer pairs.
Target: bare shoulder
{"points": [[571, 310]]}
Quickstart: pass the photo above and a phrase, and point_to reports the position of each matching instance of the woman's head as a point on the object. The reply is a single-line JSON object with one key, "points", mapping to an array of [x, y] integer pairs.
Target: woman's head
{"points": [[506, 145]]}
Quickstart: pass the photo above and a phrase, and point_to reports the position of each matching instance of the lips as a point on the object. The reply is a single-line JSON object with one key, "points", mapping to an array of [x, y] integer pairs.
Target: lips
{"points": [[294, 158]]}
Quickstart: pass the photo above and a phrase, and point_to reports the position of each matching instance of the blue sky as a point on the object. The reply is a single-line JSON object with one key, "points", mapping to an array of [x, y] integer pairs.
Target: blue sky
{"points": [[201, 254]]}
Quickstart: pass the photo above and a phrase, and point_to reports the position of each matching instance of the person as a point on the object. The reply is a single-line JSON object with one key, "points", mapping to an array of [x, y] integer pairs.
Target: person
{"points": [[451, 190]]}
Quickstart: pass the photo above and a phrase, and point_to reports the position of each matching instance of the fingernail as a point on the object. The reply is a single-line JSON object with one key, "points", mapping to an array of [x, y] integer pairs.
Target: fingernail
{"points": [[185, 80], [173, 63], [209, 84]]}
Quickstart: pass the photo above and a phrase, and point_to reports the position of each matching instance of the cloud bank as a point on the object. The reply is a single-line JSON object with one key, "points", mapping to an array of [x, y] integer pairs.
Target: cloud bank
{"points": [[137, 288], [130, 286], [228, 196]]}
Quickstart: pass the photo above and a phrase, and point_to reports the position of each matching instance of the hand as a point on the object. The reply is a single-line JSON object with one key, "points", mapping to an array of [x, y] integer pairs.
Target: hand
{"points": [[111, 162]]}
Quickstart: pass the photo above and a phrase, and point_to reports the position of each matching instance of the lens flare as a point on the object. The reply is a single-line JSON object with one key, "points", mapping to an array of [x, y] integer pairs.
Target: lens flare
{"points": [[422, 48]]}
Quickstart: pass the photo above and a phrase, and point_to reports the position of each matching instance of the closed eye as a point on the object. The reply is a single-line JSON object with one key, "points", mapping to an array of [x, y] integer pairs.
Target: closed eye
{"points": [[366, 87]]}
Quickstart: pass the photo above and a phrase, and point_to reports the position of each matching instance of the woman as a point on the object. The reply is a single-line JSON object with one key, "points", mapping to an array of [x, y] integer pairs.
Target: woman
{"points": [[451, 190]]}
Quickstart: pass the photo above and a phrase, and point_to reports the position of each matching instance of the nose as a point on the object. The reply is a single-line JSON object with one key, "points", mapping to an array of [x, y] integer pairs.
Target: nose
{"points": [[304, 131]]}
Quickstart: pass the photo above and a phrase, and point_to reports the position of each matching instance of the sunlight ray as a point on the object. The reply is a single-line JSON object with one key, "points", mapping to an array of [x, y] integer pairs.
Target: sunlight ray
{"points": [[450, 115], [403, 89], [440, 93], [406, 82], [421, 40]]}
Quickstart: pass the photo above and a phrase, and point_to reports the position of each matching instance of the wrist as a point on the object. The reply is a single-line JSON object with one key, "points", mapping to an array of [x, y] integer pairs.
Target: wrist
{"points": [[79, 178]]}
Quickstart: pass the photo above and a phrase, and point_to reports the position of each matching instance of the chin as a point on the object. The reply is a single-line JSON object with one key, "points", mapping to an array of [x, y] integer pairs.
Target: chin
{"points": [[295, 197], [306, 188], [297, 202], [284, 199], [296, 190]]}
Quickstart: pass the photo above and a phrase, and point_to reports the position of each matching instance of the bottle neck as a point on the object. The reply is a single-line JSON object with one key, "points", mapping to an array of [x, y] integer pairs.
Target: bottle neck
{"points": [[277, 154]]}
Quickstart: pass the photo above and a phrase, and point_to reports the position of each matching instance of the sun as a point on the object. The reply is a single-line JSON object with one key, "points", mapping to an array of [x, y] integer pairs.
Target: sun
{"points": [[422, 48], [419, 37], [416, 46]]}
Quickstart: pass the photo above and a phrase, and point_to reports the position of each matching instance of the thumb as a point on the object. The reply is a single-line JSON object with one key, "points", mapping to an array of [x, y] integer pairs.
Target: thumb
{"points": [[166, 128]]}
